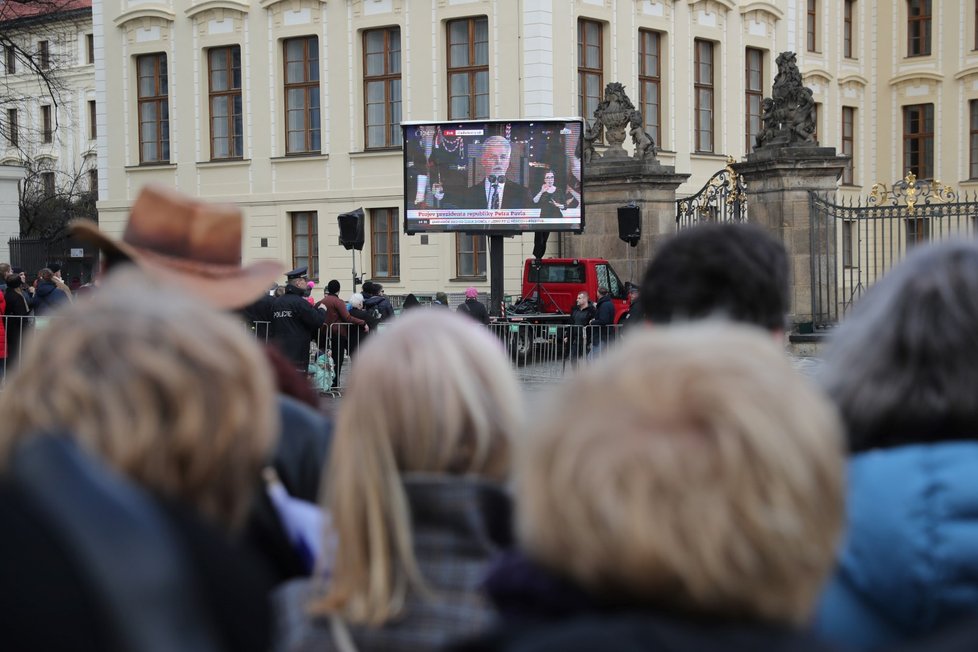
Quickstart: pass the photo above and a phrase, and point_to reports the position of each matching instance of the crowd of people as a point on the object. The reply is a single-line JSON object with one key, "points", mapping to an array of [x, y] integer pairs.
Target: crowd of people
{"points": [[688, 491]]}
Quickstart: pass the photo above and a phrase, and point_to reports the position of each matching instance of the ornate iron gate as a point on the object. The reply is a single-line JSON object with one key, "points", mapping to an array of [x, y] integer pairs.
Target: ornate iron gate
{"points": [[722, 199], [855, 243]]}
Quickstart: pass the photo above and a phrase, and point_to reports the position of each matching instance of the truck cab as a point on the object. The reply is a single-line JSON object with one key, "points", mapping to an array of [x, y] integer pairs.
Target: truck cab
{"points": [[554, 283]]}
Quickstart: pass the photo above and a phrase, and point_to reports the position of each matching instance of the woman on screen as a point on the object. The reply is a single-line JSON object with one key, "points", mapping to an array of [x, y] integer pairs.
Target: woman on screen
{"points": [[550, 200]]}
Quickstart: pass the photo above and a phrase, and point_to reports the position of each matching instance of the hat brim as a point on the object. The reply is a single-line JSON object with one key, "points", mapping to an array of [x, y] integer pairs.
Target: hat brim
{"points": [[222, 286]]}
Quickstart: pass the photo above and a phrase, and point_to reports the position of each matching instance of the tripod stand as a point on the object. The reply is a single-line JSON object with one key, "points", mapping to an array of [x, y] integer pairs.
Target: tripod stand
{"points": [[538, 290]]}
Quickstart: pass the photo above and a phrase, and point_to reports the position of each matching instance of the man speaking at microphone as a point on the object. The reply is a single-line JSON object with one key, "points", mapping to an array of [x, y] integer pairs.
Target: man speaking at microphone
{"points": [[496, 191]]}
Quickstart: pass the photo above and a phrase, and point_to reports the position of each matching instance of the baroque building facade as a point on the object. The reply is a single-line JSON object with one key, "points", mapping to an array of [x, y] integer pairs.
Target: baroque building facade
{"points": [[291, 108]]}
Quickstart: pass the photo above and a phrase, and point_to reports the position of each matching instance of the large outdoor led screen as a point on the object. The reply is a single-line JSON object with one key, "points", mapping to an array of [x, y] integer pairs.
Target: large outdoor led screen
{"points": [[493, 176]]}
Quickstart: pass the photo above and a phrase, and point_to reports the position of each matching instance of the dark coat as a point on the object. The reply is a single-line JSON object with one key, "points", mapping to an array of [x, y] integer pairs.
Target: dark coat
{"points": [[359, 335], [381, 303], [474, 309], [16, 322], [604, 319], [457, 524], [514, 196], [47, 297], [294, 325], [544, 613]]}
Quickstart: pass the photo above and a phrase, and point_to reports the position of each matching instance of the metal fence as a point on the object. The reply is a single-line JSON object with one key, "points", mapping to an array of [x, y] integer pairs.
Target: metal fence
{"points": [[855, 243], [722, 199]]}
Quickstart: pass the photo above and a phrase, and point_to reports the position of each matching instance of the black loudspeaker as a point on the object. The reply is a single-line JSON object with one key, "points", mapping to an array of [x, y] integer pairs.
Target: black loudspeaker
{"points": [[630, 224], [351, 229]]}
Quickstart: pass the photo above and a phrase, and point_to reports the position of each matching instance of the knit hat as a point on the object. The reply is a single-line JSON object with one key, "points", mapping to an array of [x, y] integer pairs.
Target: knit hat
{"points": [[471, 293]]}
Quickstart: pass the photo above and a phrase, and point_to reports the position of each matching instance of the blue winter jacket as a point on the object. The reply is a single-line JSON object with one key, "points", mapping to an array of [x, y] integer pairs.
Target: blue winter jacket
{"points": [[909, 562]]}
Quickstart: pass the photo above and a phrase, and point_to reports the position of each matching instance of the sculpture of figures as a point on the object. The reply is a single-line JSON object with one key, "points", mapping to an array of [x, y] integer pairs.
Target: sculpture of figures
{"points": [[612, 115], [644, 144], [788, 116], [588, 138]]}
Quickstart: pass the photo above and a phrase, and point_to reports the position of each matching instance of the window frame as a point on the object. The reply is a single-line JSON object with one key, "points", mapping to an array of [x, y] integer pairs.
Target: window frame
{"points": [[47, 130], [392, 132], [160, 100], [470, 70], [849, 120], [650, 79], [93, 181], [10, 60], [89, 48], [480, 256], [973, 139], [753, 93], [311, 260], [701, 85], [392, 252], [811, 26], [921, 137], [92, 120], [43, 55], [47, 183], [13, 128], [585, 72], [307, 86], [848, 11], [235, 122], [924, 41]]}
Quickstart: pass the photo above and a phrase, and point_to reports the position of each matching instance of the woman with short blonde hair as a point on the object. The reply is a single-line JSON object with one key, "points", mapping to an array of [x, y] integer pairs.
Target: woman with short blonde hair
{"points": [[688, 487], [414, 490], [167, 390]]}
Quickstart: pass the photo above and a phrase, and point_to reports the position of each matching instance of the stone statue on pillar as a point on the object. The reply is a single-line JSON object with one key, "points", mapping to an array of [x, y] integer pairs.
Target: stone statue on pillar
{"points": [[788, 116], [613, 115]]}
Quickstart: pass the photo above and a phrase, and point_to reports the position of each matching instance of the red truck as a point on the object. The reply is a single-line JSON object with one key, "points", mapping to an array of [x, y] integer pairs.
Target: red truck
{"points": [[550, 289]]}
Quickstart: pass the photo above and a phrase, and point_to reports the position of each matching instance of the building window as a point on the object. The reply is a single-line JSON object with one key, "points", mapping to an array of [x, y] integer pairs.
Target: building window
{"points": [[849, 143], [93, 182], [918, 28], [43, 55], [754, 94], [382, 87], [47, 183], [973, 139], [305, 242], [590, 66], [47, 132], [154, 109], [89, 48], [10, 59], [385, 258], [13, 130], [470, 255], [847, 13], [468, 69], [918, 140], [302, 95], [224, 88], [817, 117], [847, 243], [92, 120], [812, 25], [918, 230], [650, 81], [703, 90]]}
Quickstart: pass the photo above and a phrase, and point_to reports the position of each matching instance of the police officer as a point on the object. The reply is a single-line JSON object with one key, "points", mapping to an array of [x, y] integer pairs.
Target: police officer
{"points": [[295, 322]]}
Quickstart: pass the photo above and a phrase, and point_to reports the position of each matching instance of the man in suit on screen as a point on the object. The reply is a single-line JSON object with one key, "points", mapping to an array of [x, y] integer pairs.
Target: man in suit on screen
{"points": [[496, 191]]}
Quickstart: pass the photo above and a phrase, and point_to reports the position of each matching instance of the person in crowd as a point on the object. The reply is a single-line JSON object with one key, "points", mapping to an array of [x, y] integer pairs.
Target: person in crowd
{"points": [[632, 317], [440, 300], [370, 322], [902, 369], [602, 325], [4, 273], [190, 417], [582, 314], [473, 307], [722, 518], [48, 295], [495, 191], [295, 323], [337, 327], [196, 247], [410, 301], [415, 495], [3, 336], [734, 271], [19, 306], [373, 298], [59, 281]]}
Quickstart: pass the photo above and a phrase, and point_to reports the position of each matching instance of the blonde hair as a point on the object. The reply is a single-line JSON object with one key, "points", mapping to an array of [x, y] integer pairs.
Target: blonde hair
{"points": [[433, 394], [167, 390], [692, 469]]}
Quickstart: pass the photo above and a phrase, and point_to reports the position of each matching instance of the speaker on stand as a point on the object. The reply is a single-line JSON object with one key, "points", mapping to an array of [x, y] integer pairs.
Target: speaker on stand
{"points": [[351, 236], [630, 229]]}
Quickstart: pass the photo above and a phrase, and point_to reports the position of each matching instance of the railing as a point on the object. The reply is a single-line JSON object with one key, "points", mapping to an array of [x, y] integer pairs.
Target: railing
{"points": [[855, 243], [722, 199]]}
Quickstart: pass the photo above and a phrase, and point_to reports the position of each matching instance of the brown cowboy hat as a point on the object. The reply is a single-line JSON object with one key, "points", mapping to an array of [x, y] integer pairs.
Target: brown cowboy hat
{"points": [[188, 242]]}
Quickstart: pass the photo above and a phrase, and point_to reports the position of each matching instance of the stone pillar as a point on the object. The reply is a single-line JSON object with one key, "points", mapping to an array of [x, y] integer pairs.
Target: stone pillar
{"points": [[610, 182], [10, 176], [778, 182]]}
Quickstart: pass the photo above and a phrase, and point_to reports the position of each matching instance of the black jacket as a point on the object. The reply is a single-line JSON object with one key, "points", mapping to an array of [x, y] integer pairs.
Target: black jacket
{"points": [[294, 324], [381, 303], [474, 309]]}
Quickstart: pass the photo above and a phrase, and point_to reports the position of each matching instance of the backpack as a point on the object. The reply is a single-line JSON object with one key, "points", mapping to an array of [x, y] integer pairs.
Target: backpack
{"points": [[375, 315]]}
